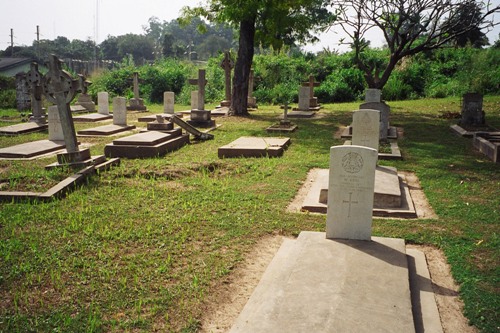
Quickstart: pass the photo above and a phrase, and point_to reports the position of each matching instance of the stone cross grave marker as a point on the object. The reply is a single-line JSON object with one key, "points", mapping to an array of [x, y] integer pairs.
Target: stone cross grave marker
{"points": [[60, 88], [200, 82], [304, 98], [227, 65], [350, 192], [136, 103], [168, 102], [366, 128], [34, 81], [385, 112], [373, 95], [103, 103], [120, 111], [313, 101], [23, 96]]}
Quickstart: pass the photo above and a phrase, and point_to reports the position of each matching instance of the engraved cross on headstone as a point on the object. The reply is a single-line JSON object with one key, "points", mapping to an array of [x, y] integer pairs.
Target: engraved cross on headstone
{"points": [[350, 202], [227, 64], [200, 82]]}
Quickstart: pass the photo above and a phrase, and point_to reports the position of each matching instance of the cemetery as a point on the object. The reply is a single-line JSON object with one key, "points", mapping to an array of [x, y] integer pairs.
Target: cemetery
{"points": [[165, 199]]}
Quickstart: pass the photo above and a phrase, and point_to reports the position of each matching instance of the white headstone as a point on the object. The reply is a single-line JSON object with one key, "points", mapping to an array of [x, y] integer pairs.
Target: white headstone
{"points": [[168, 102], [373, 95], [103, 103], [366, 128], [385, 111], [194, 100], [119, 111], [350, 192], [304, 97], [54, 122]]}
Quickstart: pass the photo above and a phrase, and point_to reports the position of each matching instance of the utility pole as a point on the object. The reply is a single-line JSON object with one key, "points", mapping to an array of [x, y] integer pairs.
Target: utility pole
{"points": [[11, 42], [38, 42]]}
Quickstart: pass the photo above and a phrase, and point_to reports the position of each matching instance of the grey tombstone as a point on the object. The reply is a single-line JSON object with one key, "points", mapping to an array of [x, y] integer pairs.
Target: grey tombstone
{"points": [[120, 111], [472, 110], [304, 98], [227, 65], [251, 101], [201, 83], [34, 81], [373, 95], [136, 103], [366, 128], [103, 103], [350, 192], [84, 99], [168, 102], [194, 99], [55, 129], [385, 112], [313, 101]]}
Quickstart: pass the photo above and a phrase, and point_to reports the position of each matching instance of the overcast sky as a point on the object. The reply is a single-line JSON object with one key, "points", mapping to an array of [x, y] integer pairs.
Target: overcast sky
{"points": [[76, 19]]}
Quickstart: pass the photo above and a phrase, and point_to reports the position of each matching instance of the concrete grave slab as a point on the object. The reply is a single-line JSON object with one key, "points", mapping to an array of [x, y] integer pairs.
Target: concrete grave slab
{"points": [[78, 109], [255, 147], [23, 128], [92, 118], [31, 149], [300, 114], [318, 285], [105, 130]]}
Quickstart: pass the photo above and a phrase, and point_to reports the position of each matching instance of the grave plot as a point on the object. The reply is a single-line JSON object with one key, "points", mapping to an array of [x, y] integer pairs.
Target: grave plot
{"points": [[284, 125], [136, 103], [147, 144], [254, 147], [23, 128], [119, 121], [102, 110], [488, 144], [32, 149]]}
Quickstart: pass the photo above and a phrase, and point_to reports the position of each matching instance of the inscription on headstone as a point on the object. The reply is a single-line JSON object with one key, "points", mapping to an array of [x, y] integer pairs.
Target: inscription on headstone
{"points": [[350, 192]]}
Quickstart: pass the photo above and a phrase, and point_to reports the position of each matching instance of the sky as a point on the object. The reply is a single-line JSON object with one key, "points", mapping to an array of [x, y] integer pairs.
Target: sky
{"points": [[76, 19]]}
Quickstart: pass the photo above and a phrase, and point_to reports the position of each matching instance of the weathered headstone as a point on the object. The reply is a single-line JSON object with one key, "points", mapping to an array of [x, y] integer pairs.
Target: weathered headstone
{"points": [[194, 99], [34, 81], [304, 98], [55, 129], [385, 112], [120, 111], [201, 83], [366, 128], [84, 99], [136, 103], [350, 192], [227, 65], [200, 116], [313, 101], [472, 110], [373, 95], [103, 103], [23, 99], [168, 102], [251, 101]]}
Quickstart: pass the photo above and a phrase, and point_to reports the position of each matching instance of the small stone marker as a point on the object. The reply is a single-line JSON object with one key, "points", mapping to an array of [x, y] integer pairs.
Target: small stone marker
{"points": [[227, 65], [472, 110], [350, 192], [304, 98], [103, 103], [55, 129], [373, 95], [168, 102], [84, 99], [365, 128], [385, 112], [313, 101], [120, 111]]}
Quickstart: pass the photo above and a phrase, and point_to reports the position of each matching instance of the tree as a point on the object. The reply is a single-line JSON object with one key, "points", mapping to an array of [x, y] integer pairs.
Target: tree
{"points": [[409, 27], [267, 22], [139, 46]]}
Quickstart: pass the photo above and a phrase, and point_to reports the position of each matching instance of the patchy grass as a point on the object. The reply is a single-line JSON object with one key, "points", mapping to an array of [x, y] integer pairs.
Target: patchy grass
{"points": [[141, 247]]}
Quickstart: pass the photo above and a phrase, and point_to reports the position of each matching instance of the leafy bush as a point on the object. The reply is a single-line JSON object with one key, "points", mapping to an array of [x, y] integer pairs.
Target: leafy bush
{"points": [[344, 85], [7, 82], [7, 99]]}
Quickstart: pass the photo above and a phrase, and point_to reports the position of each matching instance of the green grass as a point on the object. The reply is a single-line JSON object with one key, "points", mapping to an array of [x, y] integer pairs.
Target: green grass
{"points": [[141, 247]]}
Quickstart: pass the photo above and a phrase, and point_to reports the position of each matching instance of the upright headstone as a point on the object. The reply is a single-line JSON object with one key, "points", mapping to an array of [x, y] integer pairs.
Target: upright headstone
{"points": [[103, 103], [55, 129], [227, 65], [34, 81], [304, 97], [472, 110], [23, 96], [120, 111], [385, 112], [366, 128], [373, 95], [168, 102], [350, 192], [251, 101], [136, 103], [313, 101]]}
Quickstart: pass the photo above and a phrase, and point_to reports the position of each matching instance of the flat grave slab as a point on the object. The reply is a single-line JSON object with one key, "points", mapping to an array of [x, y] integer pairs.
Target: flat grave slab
{"points": [[106, 130], [314, 284], [28, 127], [31, 149], [255, 147], [78, 109], [146, 144], [300, 114], [220, 112], [282, 128], [92, 117], [152, 117], [387, 194]]}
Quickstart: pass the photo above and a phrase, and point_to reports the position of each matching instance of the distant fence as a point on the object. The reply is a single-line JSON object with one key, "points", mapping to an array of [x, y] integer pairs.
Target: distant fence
{"points": [[87, 67]]}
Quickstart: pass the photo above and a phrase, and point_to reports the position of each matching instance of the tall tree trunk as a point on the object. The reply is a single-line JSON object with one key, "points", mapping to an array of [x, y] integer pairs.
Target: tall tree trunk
{"points": [[239, 101]]}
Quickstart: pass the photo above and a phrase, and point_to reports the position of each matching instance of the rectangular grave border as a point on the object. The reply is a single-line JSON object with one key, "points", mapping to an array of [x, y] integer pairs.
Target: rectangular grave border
{"points": [[60, 190]]}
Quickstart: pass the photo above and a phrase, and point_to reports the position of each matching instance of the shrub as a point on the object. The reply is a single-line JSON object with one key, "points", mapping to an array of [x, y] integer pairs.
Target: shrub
{"points": [[7, 99]]}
